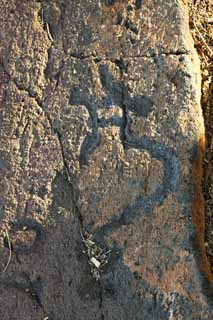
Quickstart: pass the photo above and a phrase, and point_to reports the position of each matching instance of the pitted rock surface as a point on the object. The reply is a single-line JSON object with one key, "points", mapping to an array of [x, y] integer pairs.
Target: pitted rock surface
{"points": [[100, 135]]}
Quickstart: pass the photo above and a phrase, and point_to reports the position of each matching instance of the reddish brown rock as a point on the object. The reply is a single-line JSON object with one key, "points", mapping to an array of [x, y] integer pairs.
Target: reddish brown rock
{"points": [[101, 208]]}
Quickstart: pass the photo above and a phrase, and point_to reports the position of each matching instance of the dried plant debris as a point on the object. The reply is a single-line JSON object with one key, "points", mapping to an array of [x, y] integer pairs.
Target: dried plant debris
{"points": [[9, 244], [201, 23], [96, 255]]}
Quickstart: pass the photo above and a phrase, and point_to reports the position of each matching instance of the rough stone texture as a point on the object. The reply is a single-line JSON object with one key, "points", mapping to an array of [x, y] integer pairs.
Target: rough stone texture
{"points": [[101, 131]]}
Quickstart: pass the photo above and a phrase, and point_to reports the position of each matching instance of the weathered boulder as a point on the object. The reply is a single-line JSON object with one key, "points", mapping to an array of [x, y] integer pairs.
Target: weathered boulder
{"points": [[101, 209]]}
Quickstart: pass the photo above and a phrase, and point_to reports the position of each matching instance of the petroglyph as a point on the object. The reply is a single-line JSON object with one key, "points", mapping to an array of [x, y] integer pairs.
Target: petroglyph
{"points": [[117, 95]]}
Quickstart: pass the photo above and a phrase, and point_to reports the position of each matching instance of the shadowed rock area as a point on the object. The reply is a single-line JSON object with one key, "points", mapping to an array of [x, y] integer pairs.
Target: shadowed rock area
{"points": [[101, 146]]}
